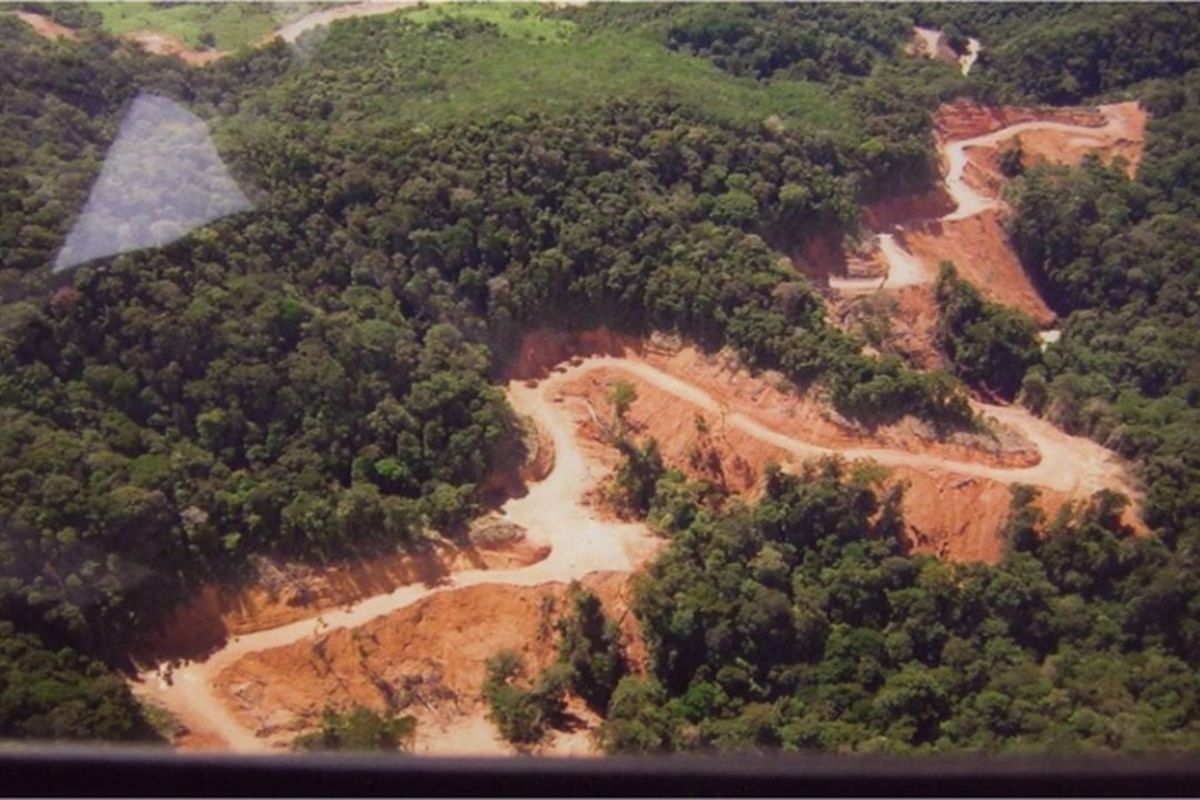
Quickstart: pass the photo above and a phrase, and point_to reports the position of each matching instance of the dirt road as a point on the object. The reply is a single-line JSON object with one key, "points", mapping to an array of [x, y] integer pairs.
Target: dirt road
{"points": [[291, 32], [970, 201], [553, 513], [1068, 463], [904, 269], [968, 59]]}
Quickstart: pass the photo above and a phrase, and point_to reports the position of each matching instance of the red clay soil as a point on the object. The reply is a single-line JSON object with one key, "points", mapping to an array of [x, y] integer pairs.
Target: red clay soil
{"points": [[45, 27], [977, 244], [964, 119], [429, 657], [960, 517], [284, 594], [779, 405], [908, 315], [981, 250], [544, 351], [947, 514], [767, 397], [883, 214]]}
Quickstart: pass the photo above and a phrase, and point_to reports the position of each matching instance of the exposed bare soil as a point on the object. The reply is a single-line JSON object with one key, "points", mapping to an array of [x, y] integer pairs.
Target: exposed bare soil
{"points": [[425, 646], [163, 44], [428, 658], [714, 420], [46, 27], [418, 629], [555, 515], [282, 594], [963, 220], [979, 247]]}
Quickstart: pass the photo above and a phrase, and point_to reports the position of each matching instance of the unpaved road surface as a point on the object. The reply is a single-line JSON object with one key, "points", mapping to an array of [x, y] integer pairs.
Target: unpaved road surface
{"points": [[553, 513], [970, 201], [904, 269], [1068, 463], [969, 58], [291, 32]]}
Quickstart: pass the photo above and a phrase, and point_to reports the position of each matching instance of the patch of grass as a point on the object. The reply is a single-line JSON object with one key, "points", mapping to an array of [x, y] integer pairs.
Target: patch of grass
{"points": [[587, 71], [391, 71], [231, 25], [524, 21]]}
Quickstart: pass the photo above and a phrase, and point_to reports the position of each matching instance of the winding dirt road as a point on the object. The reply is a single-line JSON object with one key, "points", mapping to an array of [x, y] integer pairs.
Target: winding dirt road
{"points": [[968, 59], [553, 513], [905, 269]]}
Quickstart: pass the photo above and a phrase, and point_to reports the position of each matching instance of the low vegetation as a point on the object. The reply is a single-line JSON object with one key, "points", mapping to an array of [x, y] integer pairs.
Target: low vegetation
{"points": [[360, 729], [221, 26], [523, 712]]}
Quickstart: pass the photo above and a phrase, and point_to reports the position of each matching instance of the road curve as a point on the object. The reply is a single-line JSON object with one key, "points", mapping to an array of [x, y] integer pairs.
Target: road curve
{"points": [[553, 514], [905, 269]]}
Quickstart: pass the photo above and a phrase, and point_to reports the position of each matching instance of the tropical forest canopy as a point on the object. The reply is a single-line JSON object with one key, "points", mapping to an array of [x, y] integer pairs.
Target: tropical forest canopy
{"points": [[314, 378]]}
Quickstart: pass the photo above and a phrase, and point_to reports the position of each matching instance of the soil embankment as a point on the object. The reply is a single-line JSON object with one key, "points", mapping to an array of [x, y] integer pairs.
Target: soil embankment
{"points": [[429, 657], [283, 594], [717, 421], [963, 221], [555, 515], [241, 695]]}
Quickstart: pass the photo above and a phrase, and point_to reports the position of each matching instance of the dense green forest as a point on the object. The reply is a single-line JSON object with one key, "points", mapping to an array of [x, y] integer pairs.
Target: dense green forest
{"points": [[1070, 52], [314, 378], [798, 623], [990, 346], [1120, 256]]}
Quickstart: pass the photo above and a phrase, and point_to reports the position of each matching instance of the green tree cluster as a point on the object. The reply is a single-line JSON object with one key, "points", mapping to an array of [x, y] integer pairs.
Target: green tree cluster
{"points": [[1065, 53], [590, 648], [990, 346], [800, 623], [360, 729], [1118, 257], [523, 712], [57, 695]]}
